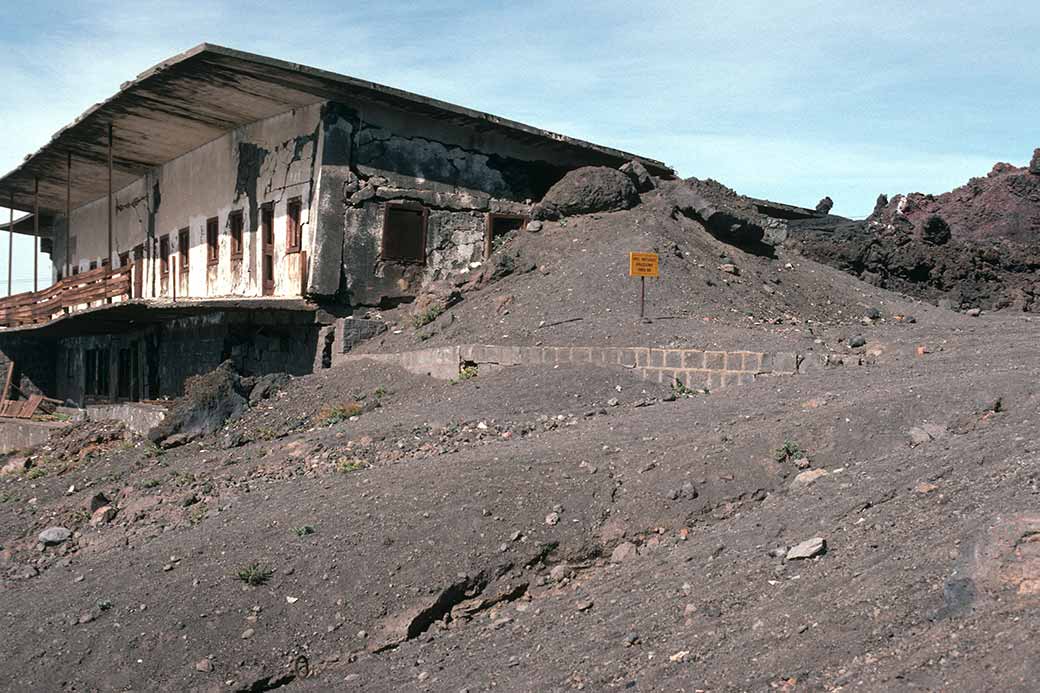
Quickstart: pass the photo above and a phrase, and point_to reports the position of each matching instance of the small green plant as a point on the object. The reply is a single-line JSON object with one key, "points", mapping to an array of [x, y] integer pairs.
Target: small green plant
{"points": [[36, 472], [427, 316], [151, 483], [346, 465], [303, 531], [255, 574], [680, 390], [380, 392], [104, 604], [790, 450], [332, 414], [467, 372]]}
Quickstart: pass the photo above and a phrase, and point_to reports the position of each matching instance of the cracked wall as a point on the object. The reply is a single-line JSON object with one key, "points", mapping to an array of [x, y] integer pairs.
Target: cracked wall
{"points": [[268, 162], [459, 175]]}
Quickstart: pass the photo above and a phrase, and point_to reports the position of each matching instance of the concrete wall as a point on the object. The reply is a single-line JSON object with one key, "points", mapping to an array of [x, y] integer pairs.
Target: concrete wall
{"points": [[22, 435], [460, 175], [271, 161], [693, 368], [138, 417]]}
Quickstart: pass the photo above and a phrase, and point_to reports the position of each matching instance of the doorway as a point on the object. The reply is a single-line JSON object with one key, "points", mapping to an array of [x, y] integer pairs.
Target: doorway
{"points": [[499, 228]]}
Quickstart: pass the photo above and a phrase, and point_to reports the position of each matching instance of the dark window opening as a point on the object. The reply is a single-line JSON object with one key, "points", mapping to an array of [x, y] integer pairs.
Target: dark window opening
{"points": [[212, 241], [123, 375], [235, 222], [267, 224], [404, 234], [90, 363], [268, 269], [164, 256], [183, 245], [93, 265], [102, 373], [293, 229], [75, 270], [499, 228], [124, 259]]}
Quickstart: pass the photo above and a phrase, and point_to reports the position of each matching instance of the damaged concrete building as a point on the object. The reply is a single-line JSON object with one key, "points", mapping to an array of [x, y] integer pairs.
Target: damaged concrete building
{"points": [[224, 205]]}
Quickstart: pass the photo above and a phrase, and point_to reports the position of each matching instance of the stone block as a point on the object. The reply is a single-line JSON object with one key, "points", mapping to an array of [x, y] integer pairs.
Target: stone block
{"points": [[692, 358], [715, 360], [657, 358], [673, 359]]}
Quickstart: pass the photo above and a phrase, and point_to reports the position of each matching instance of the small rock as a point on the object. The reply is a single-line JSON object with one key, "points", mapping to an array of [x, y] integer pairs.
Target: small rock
{"points": [[631, 639], [16, 466], [204, 665], [613, 402], [247, 633], [825, 205], [873, 313], [924, 487], [584, 605], [623, 552], [802, 463], [973, 312], [102, 515], [52, 536], [807, 549], [730, 268], [534, 226], [98, 501], [806, 479], [679, 656], [561, 572], [858, 341], [552, 519]]}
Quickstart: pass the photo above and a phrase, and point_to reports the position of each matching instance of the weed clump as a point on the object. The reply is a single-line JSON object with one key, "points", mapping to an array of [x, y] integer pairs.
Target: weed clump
{"points": [[255, 574]]}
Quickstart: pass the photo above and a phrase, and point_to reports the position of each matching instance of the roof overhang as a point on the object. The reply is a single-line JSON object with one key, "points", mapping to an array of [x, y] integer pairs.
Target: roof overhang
{"points": [[25, 225], [196, 97]]}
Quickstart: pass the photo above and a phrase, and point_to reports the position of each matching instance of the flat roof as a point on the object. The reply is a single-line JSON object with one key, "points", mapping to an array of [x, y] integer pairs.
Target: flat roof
{"points": [[196, 97]]}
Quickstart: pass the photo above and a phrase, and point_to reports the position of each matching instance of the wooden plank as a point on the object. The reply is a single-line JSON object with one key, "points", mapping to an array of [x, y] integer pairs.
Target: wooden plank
{"points": [[7, 381]]}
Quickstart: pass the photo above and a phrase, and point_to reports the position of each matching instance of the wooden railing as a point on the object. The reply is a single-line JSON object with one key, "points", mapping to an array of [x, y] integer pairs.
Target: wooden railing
{"points": [[73, 293]]}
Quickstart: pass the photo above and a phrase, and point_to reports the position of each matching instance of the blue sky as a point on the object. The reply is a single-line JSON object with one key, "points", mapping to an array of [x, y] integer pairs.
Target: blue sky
{"points": [[787, 99]]}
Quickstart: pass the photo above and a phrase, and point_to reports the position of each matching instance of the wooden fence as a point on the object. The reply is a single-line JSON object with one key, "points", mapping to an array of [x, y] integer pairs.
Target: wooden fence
{"points": [[73, 293]]}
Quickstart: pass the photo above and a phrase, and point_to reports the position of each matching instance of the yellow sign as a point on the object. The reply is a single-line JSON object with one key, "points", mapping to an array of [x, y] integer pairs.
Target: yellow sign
{"points": [[642, 264]]}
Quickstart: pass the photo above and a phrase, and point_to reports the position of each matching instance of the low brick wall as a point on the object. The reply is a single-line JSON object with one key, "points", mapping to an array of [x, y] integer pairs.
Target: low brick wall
{"points": [[691, 367]]}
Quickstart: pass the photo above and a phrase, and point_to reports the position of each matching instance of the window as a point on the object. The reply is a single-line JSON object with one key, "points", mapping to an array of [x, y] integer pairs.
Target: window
{"points": [[124, 259], [93, 265], [499, 226], [90, 363], [95, 370], [102, 372], [123, 375], [404, 233], [267, 224], [164, 256], [212, 241], [235, 222], [293, 230], [183, 245]]}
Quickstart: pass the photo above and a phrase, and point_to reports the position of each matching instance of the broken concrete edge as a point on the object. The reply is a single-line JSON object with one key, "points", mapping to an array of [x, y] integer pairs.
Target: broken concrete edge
{"points": [[690, 367]]}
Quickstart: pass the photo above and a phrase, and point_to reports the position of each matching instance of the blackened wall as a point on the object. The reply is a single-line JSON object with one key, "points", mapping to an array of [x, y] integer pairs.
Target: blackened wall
{"points": [[34, 360]]}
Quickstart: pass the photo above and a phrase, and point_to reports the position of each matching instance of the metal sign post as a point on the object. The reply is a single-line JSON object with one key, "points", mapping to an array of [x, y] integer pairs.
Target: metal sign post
{"points": [[642, 265]]}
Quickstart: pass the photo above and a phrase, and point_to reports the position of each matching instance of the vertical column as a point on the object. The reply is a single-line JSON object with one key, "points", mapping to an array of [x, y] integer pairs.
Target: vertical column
{"points": [[36, 234], [68, 215], [10, 244], [110, 195]]}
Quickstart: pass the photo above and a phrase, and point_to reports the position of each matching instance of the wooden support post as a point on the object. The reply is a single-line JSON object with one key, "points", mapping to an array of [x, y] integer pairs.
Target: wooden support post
{"points": [[68, 215], [36, 234], [110, 195], [10, 246]]}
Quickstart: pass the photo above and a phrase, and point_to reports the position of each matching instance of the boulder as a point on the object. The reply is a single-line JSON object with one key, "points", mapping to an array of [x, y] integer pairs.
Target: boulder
{"points": [[52, 536], [15, 465], [1034, 164], [639, 175], [732, 226], [102, 516], [825, 205], [935, 231], [586, 191], [623, 552], [209, 401], [807, 549]]}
